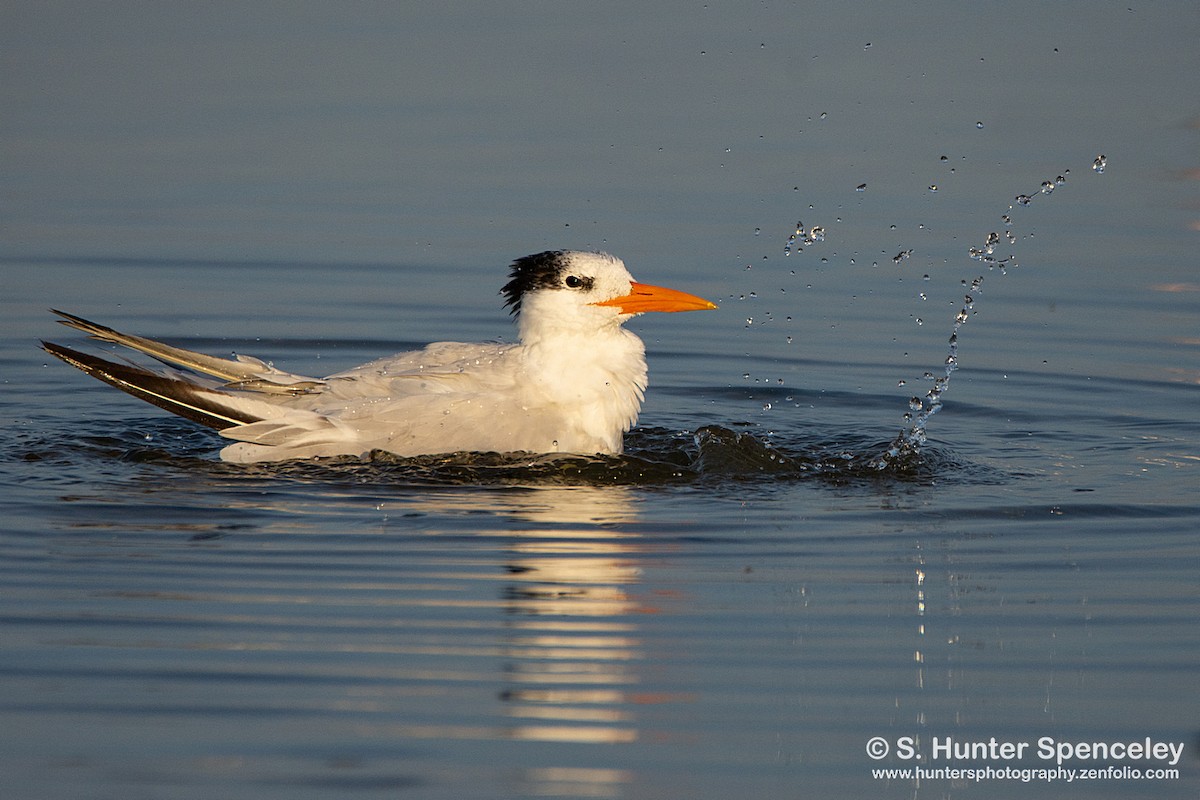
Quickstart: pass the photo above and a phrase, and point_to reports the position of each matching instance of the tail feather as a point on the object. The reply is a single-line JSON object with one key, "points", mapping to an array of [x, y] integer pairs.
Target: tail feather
{"points": [[249, 400], [245, 372], [210, 407]]}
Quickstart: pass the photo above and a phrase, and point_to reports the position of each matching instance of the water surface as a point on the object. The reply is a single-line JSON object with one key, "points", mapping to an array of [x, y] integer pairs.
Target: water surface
{"points": [[742, 601]]}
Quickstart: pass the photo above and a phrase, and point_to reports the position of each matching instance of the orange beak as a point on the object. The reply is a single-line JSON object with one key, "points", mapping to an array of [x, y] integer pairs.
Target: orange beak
{"points": [[644, 297]]}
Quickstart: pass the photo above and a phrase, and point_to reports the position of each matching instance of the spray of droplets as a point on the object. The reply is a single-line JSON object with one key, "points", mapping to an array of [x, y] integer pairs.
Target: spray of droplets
{"points": [[802, 238], [909, 441]]}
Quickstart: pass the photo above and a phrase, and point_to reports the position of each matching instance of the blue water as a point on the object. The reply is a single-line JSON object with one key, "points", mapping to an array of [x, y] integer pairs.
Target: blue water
{"points": [[738, 605]]}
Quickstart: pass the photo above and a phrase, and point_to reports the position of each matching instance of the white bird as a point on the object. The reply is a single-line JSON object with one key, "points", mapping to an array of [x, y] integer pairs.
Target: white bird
{"points": [[573, 383]]}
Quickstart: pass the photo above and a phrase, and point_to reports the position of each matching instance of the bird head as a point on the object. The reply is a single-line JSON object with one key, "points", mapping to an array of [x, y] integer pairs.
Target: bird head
{"points": [[585, 290]]}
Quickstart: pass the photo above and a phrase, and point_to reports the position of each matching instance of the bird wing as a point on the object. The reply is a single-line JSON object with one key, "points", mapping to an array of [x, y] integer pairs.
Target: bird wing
{"points": [[273, 414], [430, 400], [437, 361], [445, 397]]}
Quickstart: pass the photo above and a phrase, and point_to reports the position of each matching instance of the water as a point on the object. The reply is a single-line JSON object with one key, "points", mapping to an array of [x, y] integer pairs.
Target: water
{"points": [[908, 444], [743, 601]]}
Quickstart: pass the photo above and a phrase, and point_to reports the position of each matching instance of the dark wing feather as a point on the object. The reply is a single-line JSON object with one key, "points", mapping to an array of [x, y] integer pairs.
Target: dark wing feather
{"points": [[198, 403]]}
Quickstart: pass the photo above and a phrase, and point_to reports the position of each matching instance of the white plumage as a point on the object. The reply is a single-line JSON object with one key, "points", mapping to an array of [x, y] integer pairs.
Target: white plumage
{"points": [[573, 382]]}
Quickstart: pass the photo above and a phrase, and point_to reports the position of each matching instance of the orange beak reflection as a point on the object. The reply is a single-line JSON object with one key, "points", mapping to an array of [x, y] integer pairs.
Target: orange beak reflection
{"points": [[644, 297]]}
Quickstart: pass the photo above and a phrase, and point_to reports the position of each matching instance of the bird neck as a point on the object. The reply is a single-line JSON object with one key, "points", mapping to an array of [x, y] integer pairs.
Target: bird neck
{"points": [[611, 349]]}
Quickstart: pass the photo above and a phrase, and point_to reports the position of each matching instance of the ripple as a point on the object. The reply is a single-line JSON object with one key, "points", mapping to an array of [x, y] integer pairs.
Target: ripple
{"points": [[712, 454]]}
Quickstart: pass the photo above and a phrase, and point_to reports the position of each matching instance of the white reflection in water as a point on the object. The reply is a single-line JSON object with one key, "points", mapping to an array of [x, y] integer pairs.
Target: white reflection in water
{"points": [[577, 782], [536, 606], [572, 642], [569, 639]]}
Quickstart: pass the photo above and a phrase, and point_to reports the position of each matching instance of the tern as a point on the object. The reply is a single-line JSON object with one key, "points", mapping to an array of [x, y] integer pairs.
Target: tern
{"points": [[573, 382]]}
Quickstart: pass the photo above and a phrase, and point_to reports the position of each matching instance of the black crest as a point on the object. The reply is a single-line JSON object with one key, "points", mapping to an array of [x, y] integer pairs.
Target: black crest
{"points": [[538, 271]]}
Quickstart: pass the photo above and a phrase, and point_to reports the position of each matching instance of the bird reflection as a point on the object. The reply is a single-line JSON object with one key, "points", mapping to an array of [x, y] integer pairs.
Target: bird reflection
{"points": [[572, 641], [557, 629]]}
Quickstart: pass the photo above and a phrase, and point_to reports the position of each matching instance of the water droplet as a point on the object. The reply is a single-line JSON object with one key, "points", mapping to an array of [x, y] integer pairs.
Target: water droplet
{"points": [[933, 187], [1023, 199], [757, 231], [922, 295], [1100, 163], [979, 125], [1047, 187], [862, 187], [766, 406], [920, 321]]}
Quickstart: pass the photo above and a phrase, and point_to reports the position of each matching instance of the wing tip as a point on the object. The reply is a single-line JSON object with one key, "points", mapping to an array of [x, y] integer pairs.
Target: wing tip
{"points": [[180, 397]]}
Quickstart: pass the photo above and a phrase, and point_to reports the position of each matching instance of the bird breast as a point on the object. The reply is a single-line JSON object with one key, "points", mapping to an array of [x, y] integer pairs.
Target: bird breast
{"points": [[597, 382]]}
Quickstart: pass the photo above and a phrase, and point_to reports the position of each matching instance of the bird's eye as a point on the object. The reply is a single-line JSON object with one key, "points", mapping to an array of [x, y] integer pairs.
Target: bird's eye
{"points": [[573, 282]]}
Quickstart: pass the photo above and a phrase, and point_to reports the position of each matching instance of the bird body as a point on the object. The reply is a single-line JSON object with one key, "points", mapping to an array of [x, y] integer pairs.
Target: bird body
{"points": [[573, 382]]}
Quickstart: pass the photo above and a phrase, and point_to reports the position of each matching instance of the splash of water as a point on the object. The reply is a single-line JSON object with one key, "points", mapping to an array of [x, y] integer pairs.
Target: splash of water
{"points": [[907, 444], [803, 237]]}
